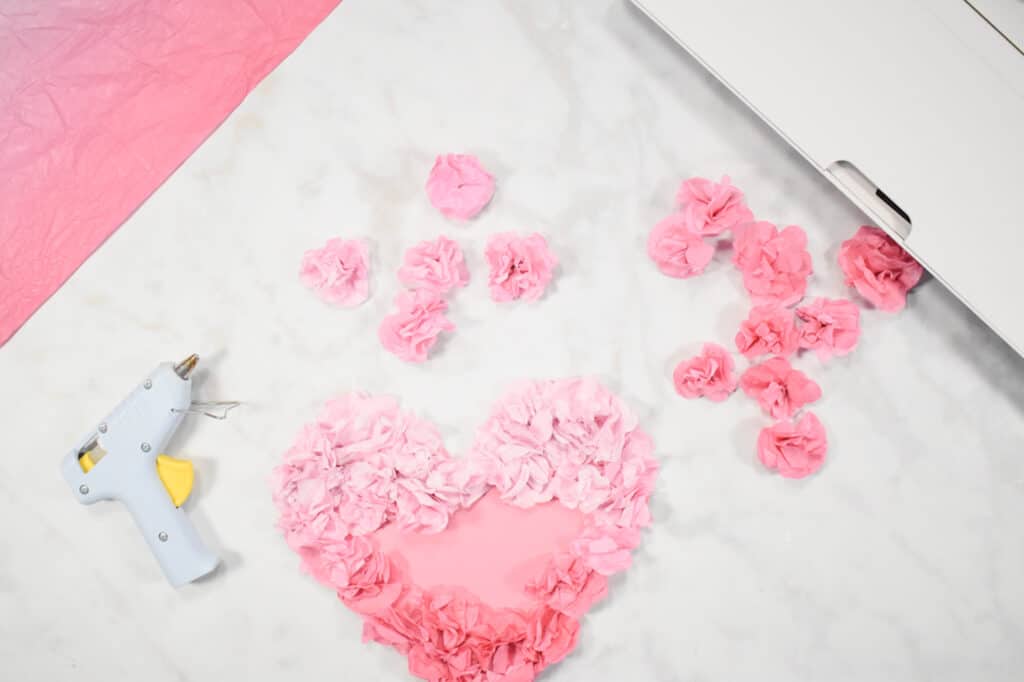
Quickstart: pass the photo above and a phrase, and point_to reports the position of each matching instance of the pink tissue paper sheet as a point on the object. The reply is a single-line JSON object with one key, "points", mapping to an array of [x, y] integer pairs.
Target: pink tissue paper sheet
{"points": [[100, 101]]}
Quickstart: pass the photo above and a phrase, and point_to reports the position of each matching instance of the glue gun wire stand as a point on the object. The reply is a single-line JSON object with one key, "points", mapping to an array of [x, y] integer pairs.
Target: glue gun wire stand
{"points": [[120, 460]]}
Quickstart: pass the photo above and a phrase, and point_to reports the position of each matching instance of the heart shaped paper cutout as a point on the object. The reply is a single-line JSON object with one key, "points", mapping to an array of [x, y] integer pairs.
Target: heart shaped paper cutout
{"points": [[565, 474]]}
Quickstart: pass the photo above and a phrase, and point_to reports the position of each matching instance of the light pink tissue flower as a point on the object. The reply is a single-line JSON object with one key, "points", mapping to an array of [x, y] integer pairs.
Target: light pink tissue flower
{"points": [[711, 207], [589, 422], [568, 585], [779, 389], [879, 268], [632, 477], [510, 446], [356, 570], [775, 265], [829, 326], [768, 330], [436, 265], [412, 331], [521, 267], [794, 449], [709, 375], [458, 186], [581, 487], [338, 271], [676, 250], [606, 548]]}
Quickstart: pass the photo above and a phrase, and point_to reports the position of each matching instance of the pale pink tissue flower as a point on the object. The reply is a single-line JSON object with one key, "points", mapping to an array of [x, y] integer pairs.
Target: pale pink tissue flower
{"points": [[338, 271], [520, 267], [437, 265], [458, 186], [412, 330]]}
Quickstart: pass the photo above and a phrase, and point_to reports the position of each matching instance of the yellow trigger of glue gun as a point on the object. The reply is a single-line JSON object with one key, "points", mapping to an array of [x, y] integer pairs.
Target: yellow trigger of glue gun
{"points": [[120, 461]]}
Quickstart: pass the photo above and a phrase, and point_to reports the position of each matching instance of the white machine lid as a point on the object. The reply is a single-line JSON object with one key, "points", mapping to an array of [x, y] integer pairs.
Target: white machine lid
{"points": [[921, 99]]}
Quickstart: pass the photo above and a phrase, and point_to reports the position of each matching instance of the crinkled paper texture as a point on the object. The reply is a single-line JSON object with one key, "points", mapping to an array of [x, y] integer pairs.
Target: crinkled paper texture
{"points": [[100, 100]]}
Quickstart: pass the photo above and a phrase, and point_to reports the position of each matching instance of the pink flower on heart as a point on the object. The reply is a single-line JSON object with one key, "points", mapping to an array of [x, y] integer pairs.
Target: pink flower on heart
{"points": [[879, 268], [829, 326], [370, 502], [711, 207], [775, 265], [677, 251], [768, 330], [779, 389], [588, 422], [436, 265], [356, 570], [458, 186], [442, 624], [632, 477], [794, 449], [709, 375], [412, 331], [521, 267], [338, 272], [510, 446], [606, 548], [550, 637], [417, 509], [569, 586], [581, 487]]}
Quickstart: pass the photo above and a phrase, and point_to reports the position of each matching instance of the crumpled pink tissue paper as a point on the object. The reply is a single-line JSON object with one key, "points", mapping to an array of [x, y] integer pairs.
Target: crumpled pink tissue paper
{"points": [[100, 101]]}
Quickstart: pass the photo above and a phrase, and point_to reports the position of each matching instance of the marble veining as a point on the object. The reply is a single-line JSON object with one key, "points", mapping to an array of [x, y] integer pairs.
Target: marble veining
{"points": [[901, 560]]}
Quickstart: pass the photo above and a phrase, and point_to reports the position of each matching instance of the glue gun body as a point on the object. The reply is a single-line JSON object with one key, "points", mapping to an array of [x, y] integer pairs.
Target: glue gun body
{"points": [[120, 460]]}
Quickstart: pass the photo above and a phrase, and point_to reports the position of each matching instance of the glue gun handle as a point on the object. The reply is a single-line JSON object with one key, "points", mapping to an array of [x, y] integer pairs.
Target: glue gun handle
{"points": [[171, 537]]}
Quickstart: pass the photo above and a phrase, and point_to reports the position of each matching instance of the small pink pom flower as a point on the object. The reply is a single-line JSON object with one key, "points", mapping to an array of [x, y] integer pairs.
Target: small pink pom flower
{"points": [[794, 449], [411, 332], [829, 326], [458, 186], [436, 265], [709, 375], [521, 267], [711, 207], [775, 265], [676, 250], [768, 330], [879, 268], [338, 272], [779, 389]]}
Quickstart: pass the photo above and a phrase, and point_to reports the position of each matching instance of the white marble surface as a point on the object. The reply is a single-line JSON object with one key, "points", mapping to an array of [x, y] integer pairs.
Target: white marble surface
{"points": [[902, 560]]}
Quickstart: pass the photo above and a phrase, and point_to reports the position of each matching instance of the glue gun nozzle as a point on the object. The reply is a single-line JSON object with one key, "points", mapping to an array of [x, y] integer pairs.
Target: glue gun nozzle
{"points": [[184, 368]]}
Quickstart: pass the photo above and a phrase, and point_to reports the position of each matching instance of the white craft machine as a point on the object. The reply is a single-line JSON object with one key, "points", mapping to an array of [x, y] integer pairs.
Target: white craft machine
{"points": [[913, 108]]}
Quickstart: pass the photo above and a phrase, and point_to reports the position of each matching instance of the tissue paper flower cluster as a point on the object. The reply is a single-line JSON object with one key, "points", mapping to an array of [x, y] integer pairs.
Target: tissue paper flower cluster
{"points": [[775, 267], [364, 463]]}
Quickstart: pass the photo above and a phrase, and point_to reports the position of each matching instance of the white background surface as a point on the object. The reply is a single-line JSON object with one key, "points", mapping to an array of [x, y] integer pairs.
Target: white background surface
{"points": [[901, 560]]}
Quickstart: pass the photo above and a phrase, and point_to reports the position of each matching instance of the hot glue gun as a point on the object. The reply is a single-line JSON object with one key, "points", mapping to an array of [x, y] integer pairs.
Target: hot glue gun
{"points": [[120, 460]]}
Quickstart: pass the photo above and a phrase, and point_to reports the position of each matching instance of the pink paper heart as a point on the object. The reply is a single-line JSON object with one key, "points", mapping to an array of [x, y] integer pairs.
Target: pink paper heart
{"points": [[476, 568]]}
